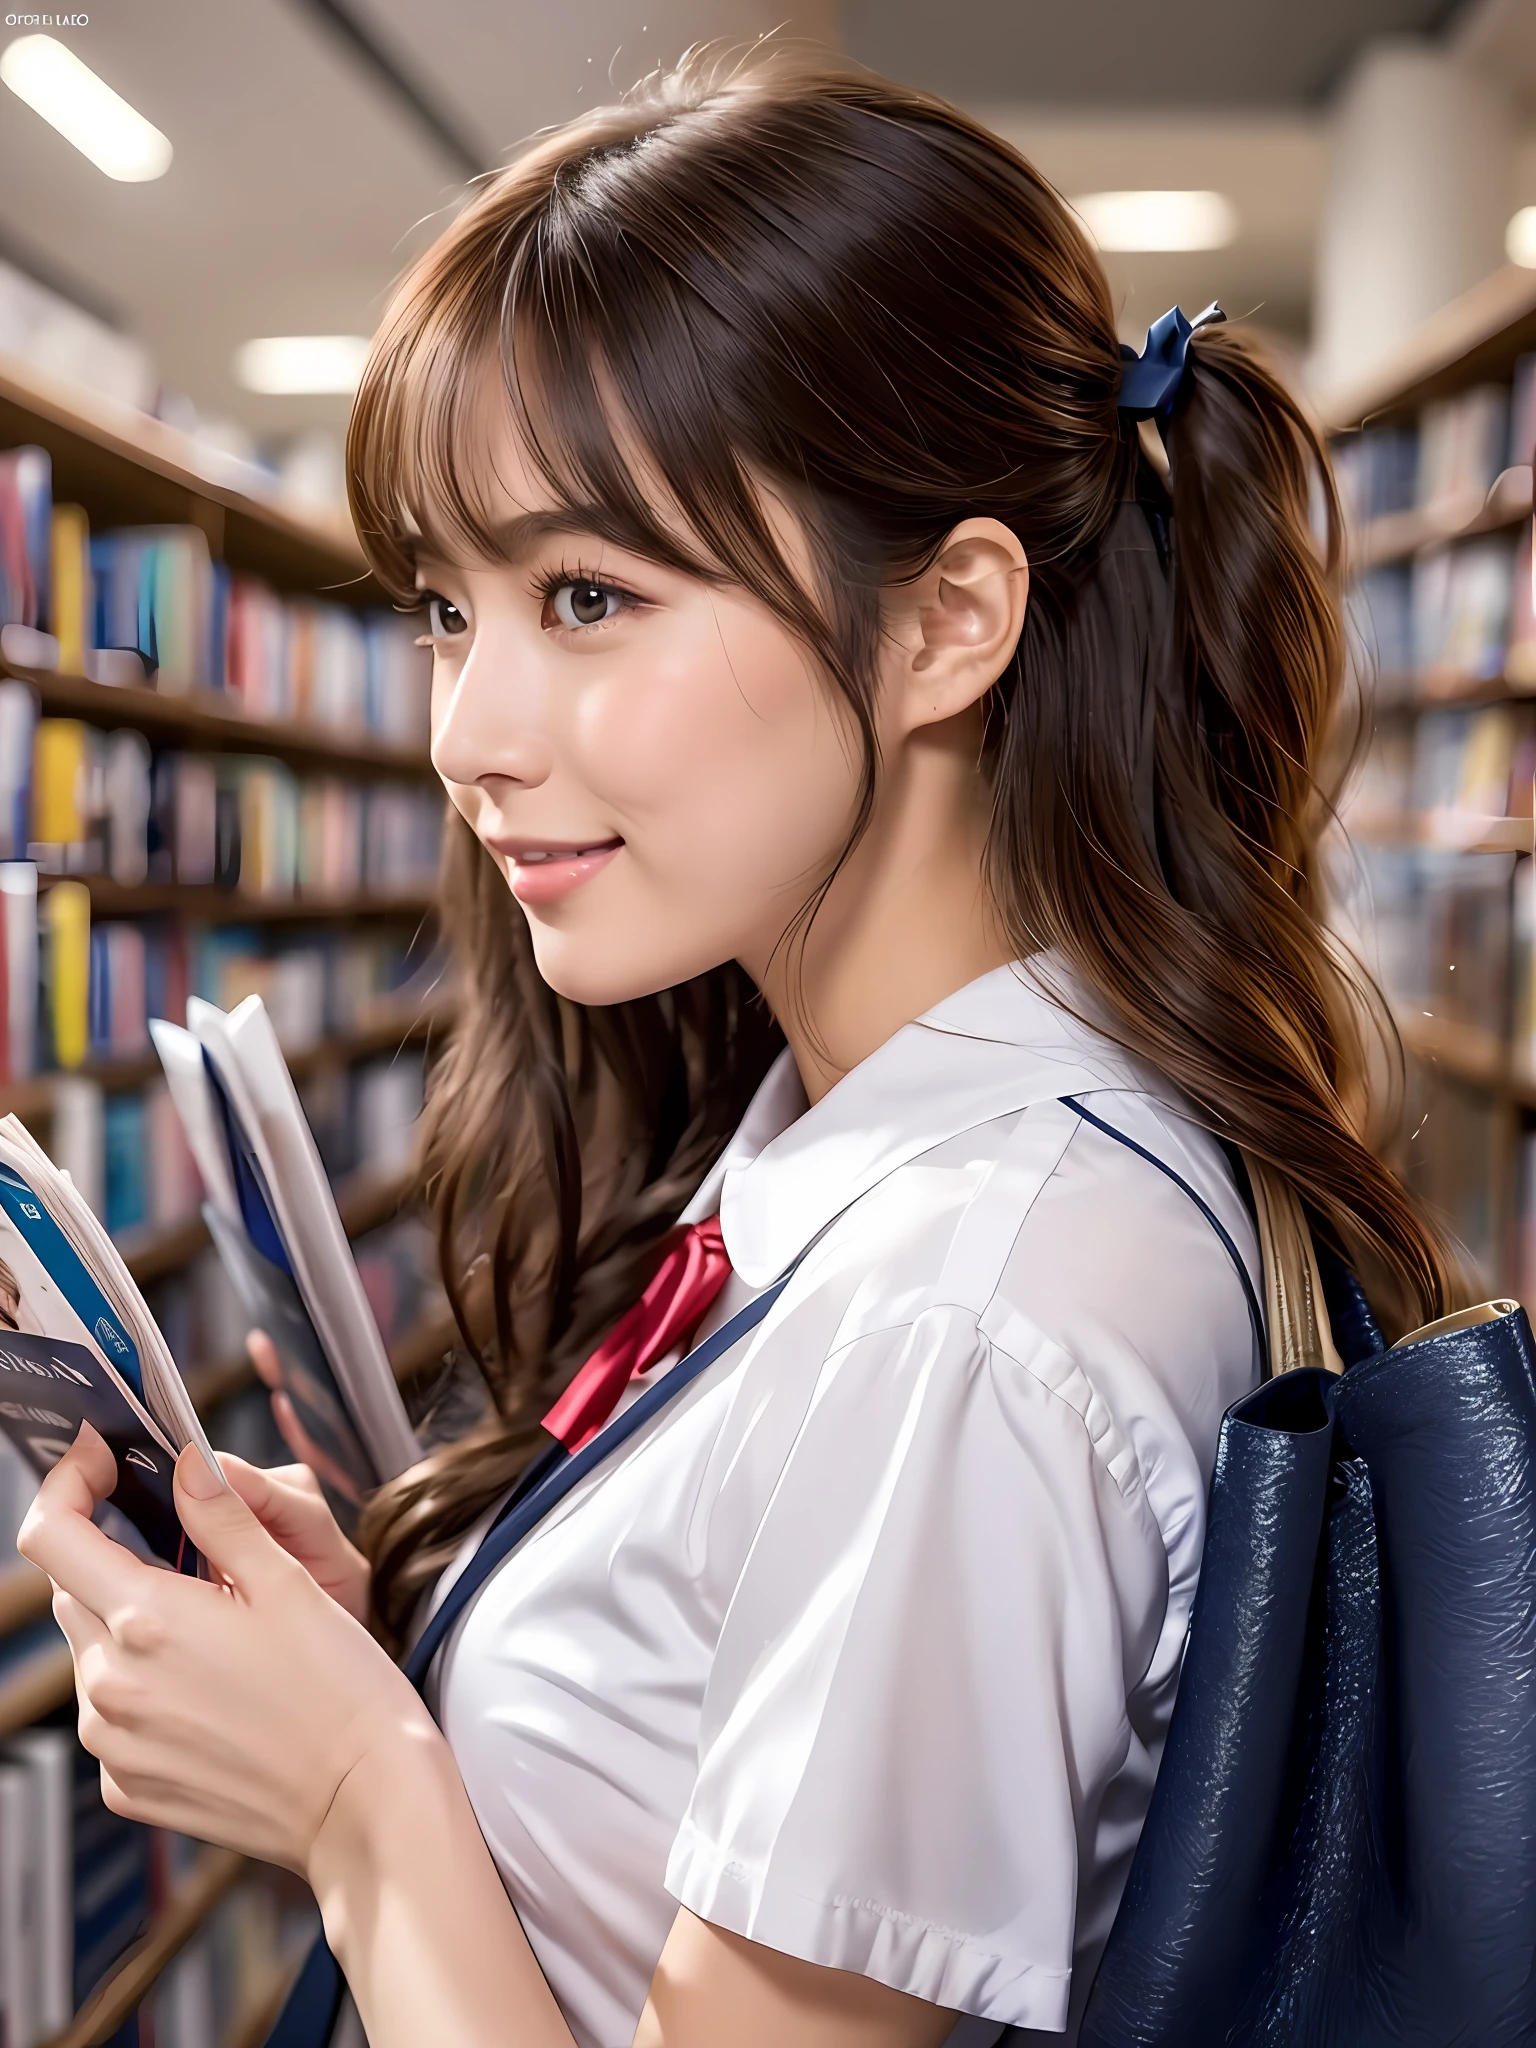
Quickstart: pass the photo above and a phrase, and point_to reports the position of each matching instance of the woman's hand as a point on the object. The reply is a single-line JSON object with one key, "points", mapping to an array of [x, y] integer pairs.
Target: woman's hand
{"points": [[263, 1356], [288, 1503], [234, 1712]]}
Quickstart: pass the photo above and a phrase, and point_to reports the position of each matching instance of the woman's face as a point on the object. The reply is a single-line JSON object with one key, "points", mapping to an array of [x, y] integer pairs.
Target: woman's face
{"points": [[652, 761]]}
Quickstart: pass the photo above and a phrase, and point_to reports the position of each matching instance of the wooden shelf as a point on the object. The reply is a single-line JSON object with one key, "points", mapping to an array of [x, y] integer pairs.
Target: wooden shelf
{"points": [[130, 470], [1479, 1058], [133, 1976], [1401, 534], [1476, 337], [1445, 832], [229, 906], [1464, 1051], [37, 1681], [25, 1595], [34, 1096], [1405, 696], [206, 720]]}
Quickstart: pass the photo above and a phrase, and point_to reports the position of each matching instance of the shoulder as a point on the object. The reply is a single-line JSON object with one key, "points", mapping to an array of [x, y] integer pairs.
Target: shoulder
{"points": [[1043, 1256]]}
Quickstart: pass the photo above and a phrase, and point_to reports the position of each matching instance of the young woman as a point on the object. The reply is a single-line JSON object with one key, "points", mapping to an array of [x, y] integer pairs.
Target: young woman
{"points": [[854, 751]]}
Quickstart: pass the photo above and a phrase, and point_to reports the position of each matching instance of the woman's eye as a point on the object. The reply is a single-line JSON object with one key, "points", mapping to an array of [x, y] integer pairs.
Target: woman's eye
{"points": [[444, 619], [581, 602]]}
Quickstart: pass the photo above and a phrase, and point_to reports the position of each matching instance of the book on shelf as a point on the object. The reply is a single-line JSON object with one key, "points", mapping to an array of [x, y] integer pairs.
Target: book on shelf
{"points": [[150, 603], [78, 801], [1445, 462], [273, 1220], [37, 1798]]}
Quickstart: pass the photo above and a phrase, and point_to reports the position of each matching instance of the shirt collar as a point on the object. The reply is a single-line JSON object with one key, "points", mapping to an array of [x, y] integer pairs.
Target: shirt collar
{"points": [[989, 1050]]}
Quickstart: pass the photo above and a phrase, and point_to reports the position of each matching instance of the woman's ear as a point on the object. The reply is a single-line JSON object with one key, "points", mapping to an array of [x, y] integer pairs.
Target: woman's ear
{"points": [[953, 631]]}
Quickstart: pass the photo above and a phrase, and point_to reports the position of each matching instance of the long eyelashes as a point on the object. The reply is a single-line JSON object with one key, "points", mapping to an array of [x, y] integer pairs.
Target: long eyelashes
{"points": [[548, 581]]}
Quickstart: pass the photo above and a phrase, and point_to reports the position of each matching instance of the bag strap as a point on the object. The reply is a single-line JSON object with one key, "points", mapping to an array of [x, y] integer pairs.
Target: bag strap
{"points": [[552, 1476], [1296, 1331], [1300, 1330]]}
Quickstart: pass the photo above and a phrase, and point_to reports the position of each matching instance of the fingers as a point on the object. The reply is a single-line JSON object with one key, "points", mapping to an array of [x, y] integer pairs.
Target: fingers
{"points": [[262, 1353], [83, 1630], [308, 1452], [59, 1537], [221, 1524], [286, 1501]]}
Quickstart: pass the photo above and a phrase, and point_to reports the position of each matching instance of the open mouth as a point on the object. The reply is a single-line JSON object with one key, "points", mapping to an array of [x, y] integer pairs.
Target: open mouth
{"points": [[543, 874], [540, 856]]}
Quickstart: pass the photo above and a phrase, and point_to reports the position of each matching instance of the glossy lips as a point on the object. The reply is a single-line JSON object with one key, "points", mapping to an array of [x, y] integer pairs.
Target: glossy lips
{"points": [[543, 874]]}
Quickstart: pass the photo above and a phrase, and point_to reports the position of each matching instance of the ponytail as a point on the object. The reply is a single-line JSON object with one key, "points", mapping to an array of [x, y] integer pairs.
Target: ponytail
{"points": [[1171, 854]]}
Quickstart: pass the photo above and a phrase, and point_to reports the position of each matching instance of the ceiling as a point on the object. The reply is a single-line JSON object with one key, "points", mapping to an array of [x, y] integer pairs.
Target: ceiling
{"points": [[1130, 53], [303, 179]]}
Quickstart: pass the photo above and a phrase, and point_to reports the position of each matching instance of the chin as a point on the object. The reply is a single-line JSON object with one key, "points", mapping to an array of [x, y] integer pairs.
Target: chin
{"points": [[596, 975]]}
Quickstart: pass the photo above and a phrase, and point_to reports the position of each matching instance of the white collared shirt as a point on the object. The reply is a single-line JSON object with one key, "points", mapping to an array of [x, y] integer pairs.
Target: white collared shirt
{"points": [[865, 1646]]}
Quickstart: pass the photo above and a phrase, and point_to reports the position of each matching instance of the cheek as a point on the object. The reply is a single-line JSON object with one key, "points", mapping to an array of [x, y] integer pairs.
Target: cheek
{"points": [[724, 747]]}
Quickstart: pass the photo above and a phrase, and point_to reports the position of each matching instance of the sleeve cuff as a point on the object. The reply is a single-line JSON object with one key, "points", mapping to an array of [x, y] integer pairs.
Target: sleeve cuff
{"points": [[939, 1964]]}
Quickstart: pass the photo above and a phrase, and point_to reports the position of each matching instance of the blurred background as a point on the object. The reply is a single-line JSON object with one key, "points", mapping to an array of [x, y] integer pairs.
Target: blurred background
{"points": [[1335, 169], [214, 777]]}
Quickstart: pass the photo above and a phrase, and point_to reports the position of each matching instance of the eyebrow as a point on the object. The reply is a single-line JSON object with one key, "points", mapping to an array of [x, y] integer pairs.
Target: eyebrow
{"points": [[514, 540]]}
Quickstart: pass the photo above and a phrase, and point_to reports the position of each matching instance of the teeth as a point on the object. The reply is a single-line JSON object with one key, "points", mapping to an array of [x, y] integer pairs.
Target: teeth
{"points": [[532, 860]]}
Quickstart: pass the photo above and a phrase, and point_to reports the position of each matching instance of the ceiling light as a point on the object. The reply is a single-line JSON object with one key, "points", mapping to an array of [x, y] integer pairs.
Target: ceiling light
{"points": [[1158, 220], [85, 110], [1520, 238], [289, 364]]}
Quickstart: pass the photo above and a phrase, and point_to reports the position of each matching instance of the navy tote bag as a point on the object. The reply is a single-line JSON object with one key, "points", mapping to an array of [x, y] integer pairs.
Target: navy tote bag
{"points": [[1341, 1846]]}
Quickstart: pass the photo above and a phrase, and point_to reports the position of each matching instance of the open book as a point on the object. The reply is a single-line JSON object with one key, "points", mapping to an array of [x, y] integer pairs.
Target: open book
{"points": [[77, 1344], [270, 1212]]}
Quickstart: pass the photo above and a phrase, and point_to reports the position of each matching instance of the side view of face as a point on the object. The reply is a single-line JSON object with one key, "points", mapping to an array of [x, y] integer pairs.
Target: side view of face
{"points": [[651, 758]]}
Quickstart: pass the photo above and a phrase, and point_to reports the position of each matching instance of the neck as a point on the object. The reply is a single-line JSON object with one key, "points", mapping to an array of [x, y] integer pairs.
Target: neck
{"points": [[906, 922]]}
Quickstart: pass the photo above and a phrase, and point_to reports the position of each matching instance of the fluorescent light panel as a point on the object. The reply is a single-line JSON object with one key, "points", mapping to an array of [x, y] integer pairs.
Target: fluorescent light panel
{"points": [[85, 110], [1158, 220], [287, 365], [1520, 238]]}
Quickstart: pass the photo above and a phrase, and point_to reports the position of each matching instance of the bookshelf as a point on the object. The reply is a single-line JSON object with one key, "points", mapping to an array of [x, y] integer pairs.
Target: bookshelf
{"points": [[215, 1875], [1439, 816], [202, 720], [129, 471]]}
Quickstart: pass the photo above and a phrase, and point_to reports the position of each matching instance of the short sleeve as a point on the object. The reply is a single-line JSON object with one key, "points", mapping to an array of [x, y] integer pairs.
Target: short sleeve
{"points": [[917, 1709]]}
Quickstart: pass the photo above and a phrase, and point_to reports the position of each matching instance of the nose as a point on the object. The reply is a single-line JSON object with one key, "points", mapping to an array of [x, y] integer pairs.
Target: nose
{"points": [[491, 727]]}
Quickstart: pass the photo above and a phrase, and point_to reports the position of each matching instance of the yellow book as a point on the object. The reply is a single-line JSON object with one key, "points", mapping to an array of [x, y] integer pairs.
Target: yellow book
{"points": [[71, 570], [67, 918], [59, 794]]}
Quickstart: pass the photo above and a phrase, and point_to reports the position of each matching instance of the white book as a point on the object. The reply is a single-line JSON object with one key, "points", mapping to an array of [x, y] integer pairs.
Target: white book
{"points": [[18, 1945], [48, 1756], [273, 1217]]}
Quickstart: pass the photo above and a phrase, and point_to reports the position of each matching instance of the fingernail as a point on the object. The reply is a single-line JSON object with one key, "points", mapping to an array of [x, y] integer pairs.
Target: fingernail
{"points": [[194, 1476]]}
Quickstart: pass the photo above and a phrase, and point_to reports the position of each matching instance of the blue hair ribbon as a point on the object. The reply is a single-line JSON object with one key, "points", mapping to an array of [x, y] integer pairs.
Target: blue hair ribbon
{"points": [[1150, 382]]}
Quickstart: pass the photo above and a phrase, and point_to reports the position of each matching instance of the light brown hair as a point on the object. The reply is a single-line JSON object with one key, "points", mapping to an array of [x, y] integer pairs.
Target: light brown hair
{"points": [[853, 291]]}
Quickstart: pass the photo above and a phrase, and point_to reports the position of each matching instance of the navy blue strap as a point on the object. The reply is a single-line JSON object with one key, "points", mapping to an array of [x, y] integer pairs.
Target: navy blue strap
{"points": [[308, 2019], [312, 2008], [1255, 1313], [564, 1469]]}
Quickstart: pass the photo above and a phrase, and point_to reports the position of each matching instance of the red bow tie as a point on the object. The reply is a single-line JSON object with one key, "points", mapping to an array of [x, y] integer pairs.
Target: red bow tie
{"points": [[692, 1273]]}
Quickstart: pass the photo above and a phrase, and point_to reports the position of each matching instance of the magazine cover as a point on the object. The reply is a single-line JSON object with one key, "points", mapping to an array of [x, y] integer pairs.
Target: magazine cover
{"points": [[69, 1355]]}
